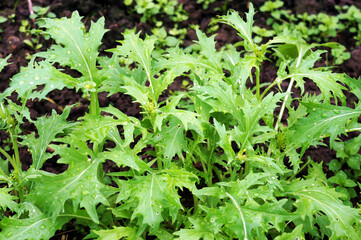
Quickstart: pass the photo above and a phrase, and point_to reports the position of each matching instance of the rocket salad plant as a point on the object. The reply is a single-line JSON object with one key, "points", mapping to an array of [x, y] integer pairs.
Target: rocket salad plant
{"points": [[224, 144]]}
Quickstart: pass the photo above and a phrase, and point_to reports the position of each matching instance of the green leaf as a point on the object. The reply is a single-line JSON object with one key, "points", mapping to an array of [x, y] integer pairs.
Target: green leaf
{"points": [[48, 128], [7, 200], [79, 183], [302, 67], [38, 226], [314, 198], [156, 195], [75, 48], [172, 139], [323, 120], [200, 230], [116, 233], [140, 51], [297, 233], [244, 28], [35, 74], [355, 85], [208, 49], [354, 161], [126, 157], [3, 62], [94, 128]]}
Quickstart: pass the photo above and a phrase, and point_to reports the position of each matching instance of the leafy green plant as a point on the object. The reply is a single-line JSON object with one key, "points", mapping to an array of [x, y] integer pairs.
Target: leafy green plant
{"points": [[221, 145], [312, 27], [149, 9]]}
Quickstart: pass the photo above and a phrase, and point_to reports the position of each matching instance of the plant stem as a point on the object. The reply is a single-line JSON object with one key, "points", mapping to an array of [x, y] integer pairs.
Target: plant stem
{"points": [[303, 167], [284, 103], [257, 83], [8, 157], [94, 104], [282, 110]]}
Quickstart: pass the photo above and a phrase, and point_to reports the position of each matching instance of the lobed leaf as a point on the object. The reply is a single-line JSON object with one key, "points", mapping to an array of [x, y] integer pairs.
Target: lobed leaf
{"points": [[314, 198], [116, 233], [75, 48], [323, 120], [244, 28], [155, 195], [7, 201], [38, 226], [48, 128], [79, 183]]}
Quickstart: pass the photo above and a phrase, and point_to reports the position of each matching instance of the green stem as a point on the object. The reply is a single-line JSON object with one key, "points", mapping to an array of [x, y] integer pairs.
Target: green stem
{"points": [[268, 89], [258, 83], [17, 166], [284, 103], [94, 104], [303, 167], [8, 157], [282, 110]]}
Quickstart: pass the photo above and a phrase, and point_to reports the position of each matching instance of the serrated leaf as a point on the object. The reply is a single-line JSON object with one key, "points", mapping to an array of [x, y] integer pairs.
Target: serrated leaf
{"points": [[200, 230], [140, 51], [297, 233], [355, 85], [154, 195], [323, 120], [94, 128], [75, 48], [244, 28], [42, 73], [314, 198], [126, 157], [38, 226], [208, 49], [302, 66], [116, 233], [48, 128], [172, 140], [7, 200], [3, 62], [79, 183]]}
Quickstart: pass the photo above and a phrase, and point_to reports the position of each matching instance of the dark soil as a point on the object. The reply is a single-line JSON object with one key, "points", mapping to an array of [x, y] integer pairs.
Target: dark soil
{"points": [[118, 18]]}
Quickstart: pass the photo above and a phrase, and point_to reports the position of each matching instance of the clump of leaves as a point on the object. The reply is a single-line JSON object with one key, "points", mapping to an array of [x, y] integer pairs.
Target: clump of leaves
{"points": [[312, 27], [221, 144]]}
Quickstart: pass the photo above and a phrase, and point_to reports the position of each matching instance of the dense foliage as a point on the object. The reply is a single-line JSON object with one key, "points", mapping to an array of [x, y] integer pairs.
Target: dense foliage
{"points": [[222, 144]]}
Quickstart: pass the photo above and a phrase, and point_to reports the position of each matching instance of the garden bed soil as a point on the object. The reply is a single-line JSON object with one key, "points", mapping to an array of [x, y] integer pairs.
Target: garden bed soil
{"points": [[117, 20]]}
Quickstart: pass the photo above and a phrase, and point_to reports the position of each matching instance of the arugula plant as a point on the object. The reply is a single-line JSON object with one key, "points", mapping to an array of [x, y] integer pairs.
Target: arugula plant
{"points": [[225, 145]]}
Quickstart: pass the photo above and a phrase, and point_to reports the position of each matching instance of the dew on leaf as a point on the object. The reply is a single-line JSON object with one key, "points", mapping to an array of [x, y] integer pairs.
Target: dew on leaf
{"points": [[336, 111], [37, 78], [68, 52], [324, 115], [9, 234], [85, 192]]}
